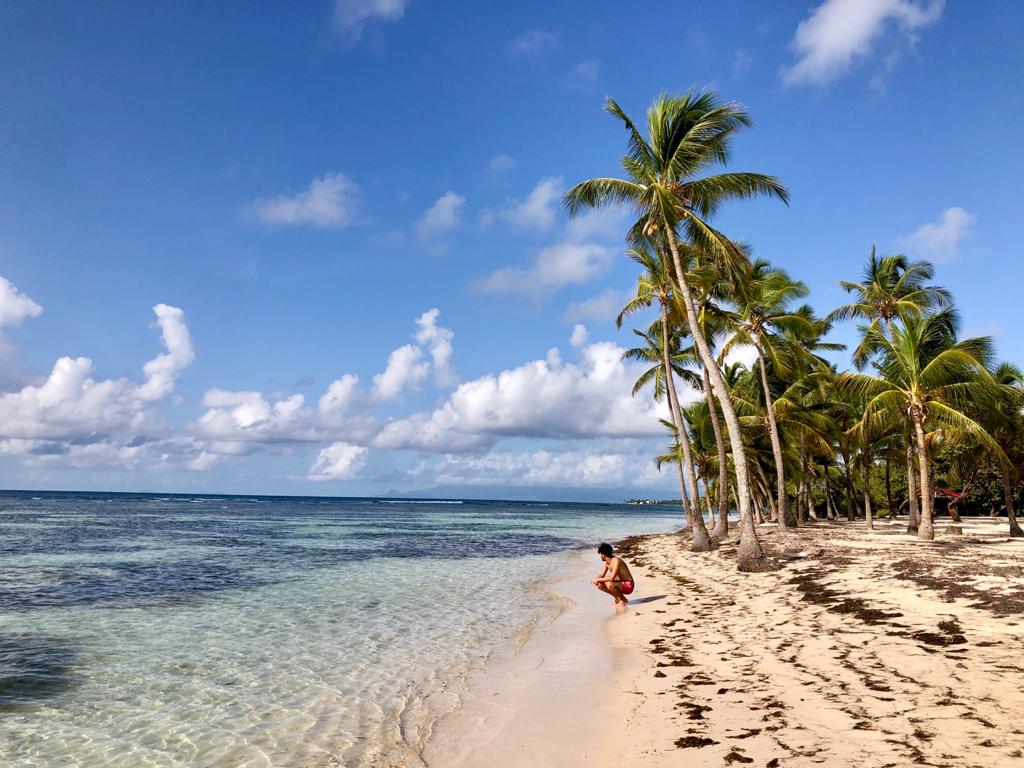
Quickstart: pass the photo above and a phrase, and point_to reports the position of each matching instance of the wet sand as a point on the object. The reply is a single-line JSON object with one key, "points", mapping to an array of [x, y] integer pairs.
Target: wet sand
{"points": [[865, 649]]}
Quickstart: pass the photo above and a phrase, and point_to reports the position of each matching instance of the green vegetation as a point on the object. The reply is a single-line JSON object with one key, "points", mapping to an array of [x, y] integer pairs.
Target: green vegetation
{"points": [[922, 409]]}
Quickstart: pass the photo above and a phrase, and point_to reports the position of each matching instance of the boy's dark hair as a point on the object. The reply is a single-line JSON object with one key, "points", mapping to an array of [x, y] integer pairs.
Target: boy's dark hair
{"points": [[605, 549]]}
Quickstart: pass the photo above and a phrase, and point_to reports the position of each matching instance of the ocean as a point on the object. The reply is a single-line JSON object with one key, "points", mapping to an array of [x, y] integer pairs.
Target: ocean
{"points": [[173, 630]]}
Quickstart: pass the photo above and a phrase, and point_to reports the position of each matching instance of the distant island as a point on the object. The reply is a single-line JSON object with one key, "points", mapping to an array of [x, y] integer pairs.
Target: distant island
{"points": [[677, 502]]}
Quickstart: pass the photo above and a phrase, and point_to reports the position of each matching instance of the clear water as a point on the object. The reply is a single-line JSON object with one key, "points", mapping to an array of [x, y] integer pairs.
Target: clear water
{"points": [[229, 631]]}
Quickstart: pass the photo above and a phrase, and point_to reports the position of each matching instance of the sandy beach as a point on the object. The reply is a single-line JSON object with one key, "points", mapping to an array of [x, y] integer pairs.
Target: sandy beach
{"points": [[866, 649]]}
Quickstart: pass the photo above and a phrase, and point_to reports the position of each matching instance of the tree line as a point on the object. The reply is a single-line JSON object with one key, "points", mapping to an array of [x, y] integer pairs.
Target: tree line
{"points": [[792, 437]]}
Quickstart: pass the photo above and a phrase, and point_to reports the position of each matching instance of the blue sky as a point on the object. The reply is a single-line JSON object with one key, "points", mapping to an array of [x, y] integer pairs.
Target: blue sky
{"points": [[298, 189]]}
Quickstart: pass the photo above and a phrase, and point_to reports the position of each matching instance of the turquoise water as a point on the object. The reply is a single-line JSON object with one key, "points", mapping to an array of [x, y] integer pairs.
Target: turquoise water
{"points": [[230, 631]]}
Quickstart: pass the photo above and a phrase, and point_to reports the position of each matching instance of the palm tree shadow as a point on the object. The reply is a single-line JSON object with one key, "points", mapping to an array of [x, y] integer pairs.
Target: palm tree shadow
{"points": [[650, 599]]}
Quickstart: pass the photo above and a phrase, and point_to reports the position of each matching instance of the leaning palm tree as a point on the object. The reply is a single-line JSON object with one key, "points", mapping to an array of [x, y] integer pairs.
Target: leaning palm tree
{"points": [[653, 286], [685, 136], [926, 375]]}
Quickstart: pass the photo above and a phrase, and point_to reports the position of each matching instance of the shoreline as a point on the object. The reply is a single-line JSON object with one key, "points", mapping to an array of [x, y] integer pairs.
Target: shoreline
{"points": [[866, 649]]}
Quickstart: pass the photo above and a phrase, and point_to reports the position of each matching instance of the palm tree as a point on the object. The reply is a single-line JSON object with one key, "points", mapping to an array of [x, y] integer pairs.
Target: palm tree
{"points": [[1004, 424], [929, 377], [891, 288], [764, 314], [653, 286], [685, 136]]}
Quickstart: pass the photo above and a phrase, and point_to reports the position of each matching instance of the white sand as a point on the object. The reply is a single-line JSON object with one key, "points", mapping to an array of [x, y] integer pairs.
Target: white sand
{"points": [[866, 649]]}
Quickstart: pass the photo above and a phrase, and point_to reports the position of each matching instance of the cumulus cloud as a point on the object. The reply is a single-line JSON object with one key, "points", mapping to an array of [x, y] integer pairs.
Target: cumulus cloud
{"points": [[405, 370], [555, 267], [533, 42], [542, 398], [840, 32], [625, 463], [438, 341], [72, 405], [15, 306], [441, 219], [939, 240], [584, 77], [331, 201], [534, 213], [574, 259], [338, 461], [500, 164], [236, 421], [579, 336], [602, 308], [352, 16]]}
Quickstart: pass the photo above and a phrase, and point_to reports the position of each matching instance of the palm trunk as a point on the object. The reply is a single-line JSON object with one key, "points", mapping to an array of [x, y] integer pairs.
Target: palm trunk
{"points": [[954, 510], [805, 486], [707, 500], [926, 528], [830, 511], [867, 492], [773, 434], [811, 511], [683, 495], [722, 525], [851, 495], [915, 521], [1015, 529], [750, 555], [701, 540], [888, 489]]}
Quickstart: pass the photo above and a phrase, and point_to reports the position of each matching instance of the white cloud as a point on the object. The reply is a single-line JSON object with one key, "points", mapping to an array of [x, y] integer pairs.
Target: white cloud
{"points": [[746, 354], [163, 370], [542, 398], [569, 261], [440, 220], [339, 461], [406, 369], [438, 341], [14, 305], [741, 61], [249, 417], [554, 267], [533, 42], [336, 402], [939, 240], [602, 308], [332, 201], [351, 16], [840, 32], [236, 419], [535, 213], [579, 335], [623, 463], [500, 164], [71, 406], [585, 77]]}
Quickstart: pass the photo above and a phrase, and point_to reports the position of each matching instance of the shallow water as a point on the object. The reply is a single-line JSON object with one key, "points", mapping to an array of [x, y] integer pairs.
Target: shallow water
{"points": [[264, 631]]}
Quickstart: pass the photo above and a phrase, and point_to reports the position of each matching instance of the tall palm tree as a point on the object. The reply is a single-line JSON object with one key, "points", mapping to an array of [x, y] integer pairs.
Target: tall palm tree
{"points": [[928, 376], [685, 136], [891, 288], [652, 286], [1004, 424], [764, 313]]}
